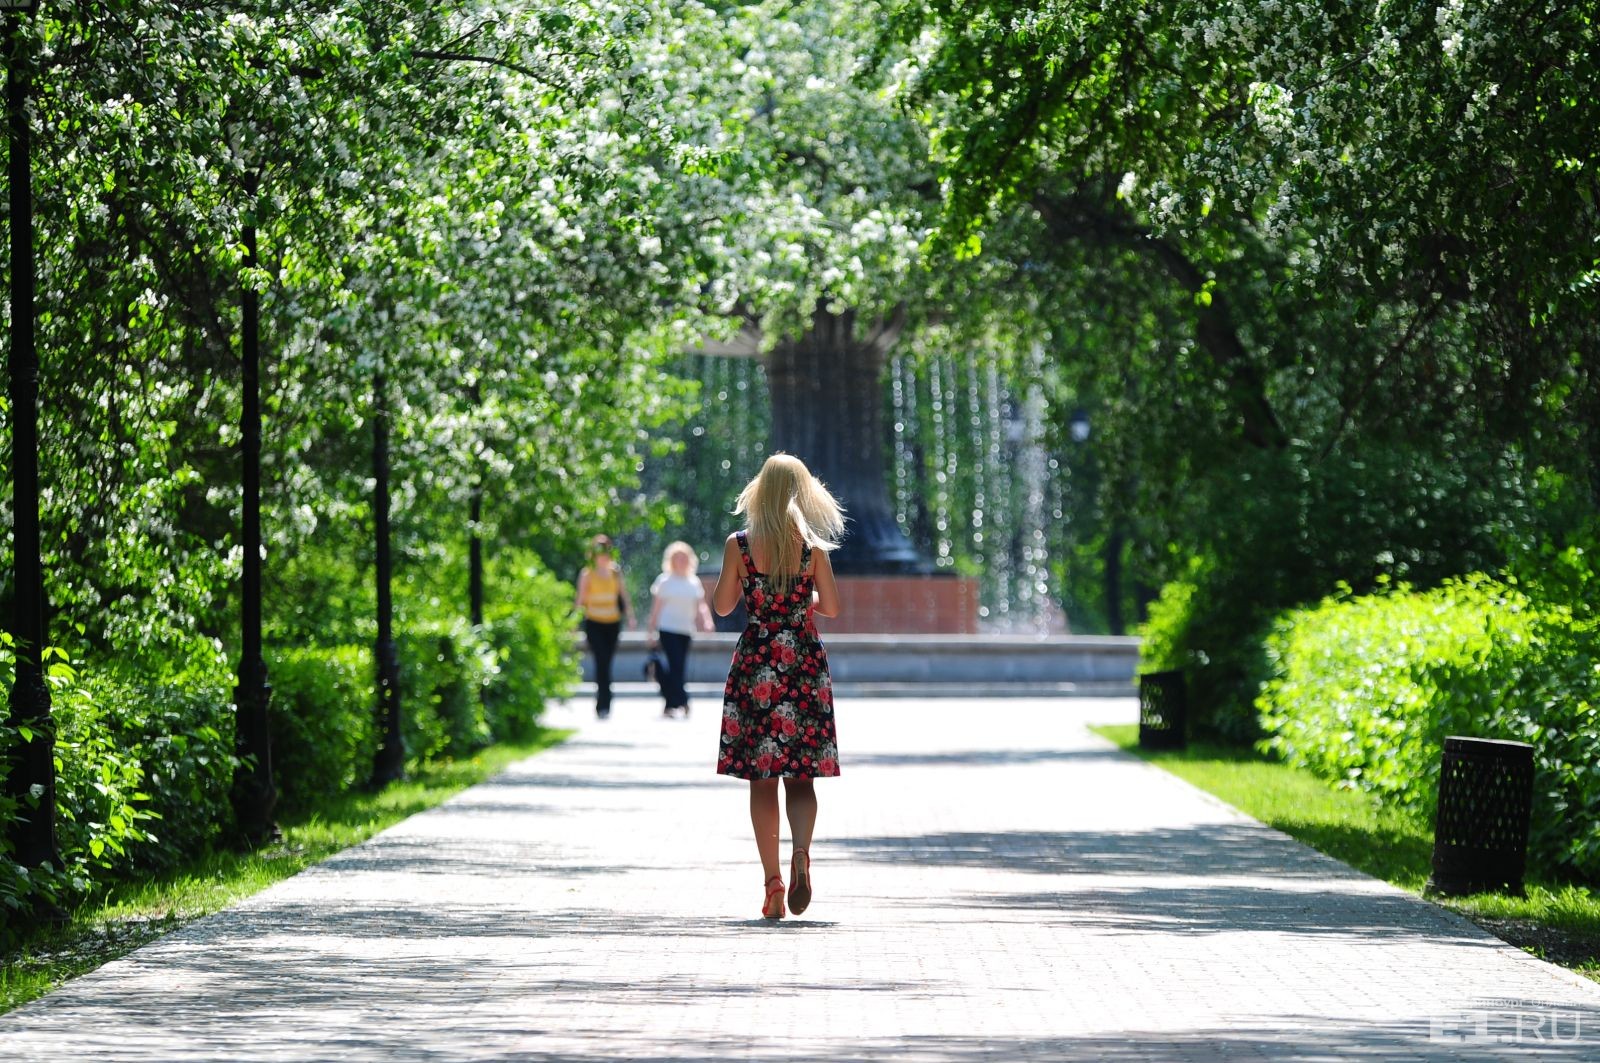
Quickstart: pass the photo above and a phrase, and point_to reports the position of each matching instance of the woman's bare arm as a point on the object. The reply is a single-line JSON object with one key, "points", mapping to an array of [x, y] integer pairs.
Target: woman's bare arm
{"points": [[827, 590], [730, 581]]}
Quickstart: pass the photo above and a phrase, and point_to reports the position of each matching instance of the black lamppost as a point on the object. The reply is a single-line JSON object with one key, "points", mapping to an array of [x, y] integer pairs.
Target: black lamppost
{"points": [[253, 793], [475, 522], [1078, 425], [475, 552], [390, 762], [31, 778]]}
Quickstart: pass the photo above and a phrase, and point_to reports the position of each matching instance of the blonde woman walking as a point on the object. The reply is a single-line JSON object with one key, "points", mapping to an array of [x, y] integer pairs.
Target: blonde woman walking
{"points": [[777, 707], [678, 611]]}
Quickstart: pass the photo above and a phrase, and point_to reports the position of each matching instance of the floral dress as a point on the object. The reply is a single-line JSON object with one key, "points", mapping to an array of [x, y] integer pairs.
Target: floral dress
{"points": [[777, 708]]}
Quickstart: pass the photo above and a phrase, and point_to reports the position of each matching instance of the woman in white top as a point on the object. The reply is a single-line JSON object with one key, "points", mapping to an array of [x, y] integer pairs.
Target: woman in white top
{"points": [[678, 612]]}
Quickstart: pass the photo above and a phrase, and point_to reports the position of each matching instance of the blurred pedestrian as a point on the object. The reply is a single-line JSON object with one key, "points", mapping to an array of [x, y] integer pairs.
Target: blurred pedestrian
{"points": [[603, 601], [678, 611], [777, 708]]}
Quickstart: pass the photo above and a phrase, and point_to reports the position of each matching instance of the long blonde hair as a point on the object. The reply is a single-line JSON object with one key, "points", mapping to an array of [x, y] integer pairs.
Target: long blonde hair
{"points": [[679, 547], [785, 506]]}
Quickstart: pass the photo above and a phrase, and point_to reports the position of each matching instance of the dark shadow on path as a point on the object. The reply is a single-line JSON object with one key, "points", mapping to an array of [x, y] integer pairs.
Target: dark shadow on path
{"points": [[1318, 896], [1229, 908], [1208, 849], [542, 781], [440, 1028], [981, 758], [424, 856]]}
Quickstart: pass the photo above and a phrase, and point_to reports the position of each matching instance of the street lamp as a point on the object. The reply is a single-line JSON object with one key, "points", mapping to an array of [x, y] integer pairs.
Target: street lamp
{"points": [[1078, 425], [1016, 426], [253, 794], [389, 764], [30, 781]]}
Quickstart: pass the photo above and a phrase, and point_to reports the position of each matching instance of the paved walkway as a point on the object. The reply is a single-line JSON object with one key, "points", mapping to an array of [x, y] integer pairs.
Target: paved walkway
{"points": [[993, 883]]}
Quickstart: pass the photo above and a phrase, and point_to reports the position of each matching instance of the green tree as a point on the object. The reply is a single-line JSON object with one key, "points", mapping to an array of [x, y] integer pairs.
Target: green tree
{"points": [[1348, 258]]}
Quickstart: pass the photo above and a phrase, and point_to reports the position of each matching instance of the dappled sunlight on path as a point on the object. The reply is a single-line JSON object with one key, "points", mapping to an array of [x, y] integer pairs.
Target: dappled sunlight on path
{"points": [[992, 883]]}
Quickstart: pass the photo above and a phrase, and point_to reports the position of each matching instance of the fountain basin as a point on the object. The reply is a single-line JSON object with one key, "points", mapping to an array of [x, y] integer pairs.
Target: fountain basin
{"points": [[1103, 665], [890, 604]]}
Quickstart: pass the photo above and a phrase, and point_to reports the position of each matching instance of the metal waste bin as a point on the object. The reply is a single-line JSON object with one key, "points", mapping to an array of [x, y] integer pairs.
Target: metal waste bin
{"points": [[1480, 835], [1163, 711]]}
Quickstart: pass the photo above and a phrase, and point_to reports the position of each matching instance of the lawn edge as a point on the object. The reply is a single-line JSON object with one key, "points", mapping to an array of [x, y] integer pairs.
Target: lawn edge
{"points": [[1586, 975], [85, 921]]}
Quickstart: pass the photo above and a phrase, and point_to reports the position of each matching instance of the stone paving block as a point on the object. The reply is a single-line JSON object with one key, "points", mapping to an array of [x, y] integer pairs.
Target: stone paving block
{"points": [[992, 882]]}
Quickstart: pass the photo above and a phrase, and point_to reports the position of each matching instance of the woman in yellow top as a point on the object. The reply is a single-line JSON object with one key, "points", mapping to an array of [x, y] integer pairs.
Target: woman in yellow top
{"points": [[603, 601]]}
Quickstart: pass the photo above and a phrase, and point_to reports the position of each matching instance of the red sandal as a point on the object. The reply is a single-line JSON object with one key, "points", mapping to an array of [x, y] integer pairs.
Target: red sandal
{"points": [[767, 911]]}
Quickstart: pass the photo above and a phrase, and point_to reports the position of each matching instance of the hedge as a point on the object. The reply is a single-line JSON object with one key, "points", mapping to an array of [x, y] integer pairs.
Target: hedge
{"points": [[1363, 690], [445, 673], [142, 779], [324, 729], [1206, 626], [145, 769], [535, 652]]}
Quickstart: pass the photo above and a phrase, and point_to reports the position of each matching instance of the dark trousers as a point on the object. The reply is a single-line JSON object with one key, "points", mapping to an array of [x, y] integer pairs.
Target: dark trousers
{"points": [[676, 649], [603, 644]]}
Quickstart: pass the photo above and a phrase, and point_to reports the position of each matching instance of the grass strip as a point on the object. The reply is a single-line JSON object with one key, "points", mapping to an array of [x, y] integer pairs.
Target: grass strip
{"points": [[1556, 921], [135, 912]]}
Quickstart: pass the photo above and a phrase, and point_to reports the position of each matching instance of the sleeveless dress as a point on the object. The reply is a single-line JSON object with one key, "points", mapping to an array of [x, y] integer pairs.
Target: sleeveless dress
{"points": [[777, 707]]}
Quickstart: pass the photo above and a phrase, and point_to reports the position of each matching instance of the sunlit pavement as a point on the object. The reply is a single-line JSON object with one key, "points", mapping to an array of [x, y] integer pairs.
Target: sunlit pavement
{"points": [[992, 882]]}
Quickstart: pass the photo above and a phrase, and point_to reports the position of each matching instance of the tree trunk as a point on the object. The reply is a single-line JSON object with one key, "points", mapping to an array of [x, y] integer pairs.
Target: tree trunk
{"points": [[827, 410], [1084, 218]]}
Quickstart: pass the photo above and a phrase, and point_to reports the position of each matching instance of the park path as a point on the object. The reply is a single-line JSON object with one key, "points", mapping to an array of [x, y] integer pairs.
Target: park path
{"points": [[993, 883]]}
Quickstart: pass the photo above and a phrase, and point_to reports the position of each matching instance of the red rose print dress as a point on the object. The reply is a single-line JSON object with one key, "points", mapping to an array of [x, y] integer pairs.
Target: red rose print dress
{"points": [[777, 709]]}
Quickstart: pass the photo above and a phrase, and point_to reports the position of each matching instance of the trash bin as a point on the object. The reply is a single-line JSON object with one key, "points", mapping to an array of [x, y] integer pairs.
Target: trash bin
{"points": [[1163, 711], [1480, 835]]}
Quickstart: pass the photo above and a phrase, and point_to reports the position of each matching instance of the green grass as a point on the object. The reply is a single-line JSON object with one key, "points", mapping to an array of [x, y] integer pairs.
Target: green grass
{"points": [[1556, 920], [133, 913]]}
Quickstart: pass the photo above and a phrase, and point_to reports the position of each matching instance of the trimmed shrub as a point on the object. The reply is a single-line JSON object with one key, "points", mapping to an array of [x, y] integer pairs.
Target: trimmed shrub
{"points": [[324, 722], [1202, 626], [142, 779], [536, 661], [1279, 530], [145, 767], [184, 743], [445, 671], [1365, 689], [535, 649]]}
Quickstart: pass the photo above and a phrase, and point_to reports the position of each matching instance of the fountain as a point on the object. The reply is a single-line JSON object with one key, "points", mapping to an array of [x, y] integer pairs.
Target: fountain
{"points": [[967, 481], [827, 410], [948, 502]]}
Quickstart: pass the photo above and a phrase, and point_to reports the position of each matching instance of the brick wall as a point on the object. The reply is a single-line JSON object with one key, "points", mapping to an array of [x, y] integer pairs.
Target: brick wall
{"points": [[912, 605]]}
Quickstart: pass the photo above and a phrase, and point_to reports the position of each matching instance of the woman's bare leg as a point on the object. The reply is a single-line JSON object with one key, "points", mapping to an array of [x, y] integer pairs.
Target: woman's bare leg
{"points": [[800, 797], [800, 801], [764, 818]]}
